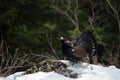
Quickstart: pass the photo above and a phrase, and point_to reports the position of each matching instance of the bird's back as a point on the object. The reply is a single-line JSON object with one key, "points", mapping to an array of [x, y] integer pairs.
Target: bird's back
{"points": [[87, 41], [80, 53]]}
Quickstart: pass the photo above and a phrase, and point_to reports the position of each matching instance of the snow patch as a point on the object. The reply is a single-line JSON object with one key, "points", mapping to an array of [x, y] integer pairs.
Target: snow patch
{"points": [[82, 69]]}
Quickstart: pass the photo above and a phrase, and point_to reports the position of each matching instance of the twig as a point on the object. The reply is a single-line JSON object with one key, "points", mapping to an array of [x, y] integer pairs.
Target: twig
{"points": [[51, 46], [67, 10], [116, 13]]}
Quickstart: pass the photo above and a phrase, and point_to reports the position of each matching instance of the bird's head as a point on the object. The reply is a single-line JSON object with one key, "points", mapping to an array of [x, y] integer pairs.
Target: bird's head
{"points": [[66, 46], [63, 38], [65, 41]]}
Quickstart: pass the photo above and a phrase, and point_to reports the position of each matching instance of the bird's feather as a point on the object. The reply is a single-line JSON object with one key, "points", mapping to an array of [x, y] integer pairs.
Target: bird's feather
{"points": [[85, 47]]}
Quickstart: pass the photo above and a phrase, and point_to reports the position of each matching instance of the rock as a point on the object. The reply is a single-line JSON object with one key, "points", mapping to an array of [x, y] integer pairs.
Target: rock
{"points": [[52, 65]]}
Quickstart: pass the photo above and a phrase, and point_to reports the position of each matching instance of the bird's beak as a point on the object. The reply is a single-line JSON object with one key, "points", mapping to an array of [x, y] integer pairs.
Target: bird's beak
{"points": [[72, 49], [61, 38]]}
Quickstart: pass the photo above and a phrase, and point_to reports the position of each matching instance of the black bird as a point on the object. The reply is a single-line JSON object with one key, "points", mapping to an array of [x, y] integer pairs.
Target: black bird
{"points": [[67, 47], [86, 46], [84, 49]]}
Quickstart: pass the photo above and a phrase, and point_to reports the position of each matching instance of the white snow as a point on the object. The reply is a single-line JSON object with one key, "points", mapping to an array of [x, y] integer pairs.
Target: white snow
{"points": [[83, 69]]}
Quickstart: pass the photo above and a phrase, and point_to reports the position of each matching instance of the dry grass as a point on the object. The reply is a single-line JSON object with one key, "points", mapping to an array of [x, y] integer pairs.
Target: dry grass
{"points": [[11, 61], [17, 60]]}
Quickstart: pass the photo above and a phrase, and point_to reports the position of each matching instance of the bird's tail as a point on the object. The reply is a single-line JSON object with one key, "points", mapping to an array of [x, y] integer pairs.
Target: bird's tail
{"points": [[94, 42], [87, 40]]}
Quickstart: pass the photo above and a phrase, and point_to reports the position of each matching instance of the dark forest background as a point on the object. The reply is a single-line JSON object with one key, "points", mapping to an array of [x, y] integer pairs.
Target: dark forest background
{"points": [[30, 29]]}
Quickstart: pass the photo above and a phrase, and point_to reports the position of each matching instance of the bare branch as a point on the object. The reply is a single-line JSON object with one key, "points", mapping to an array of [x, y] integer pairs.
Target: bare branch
{"points": [[92, 18], [51, 46], [69, 11], [114, 10], [116, 13], [64, 13], [9, 62]]}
